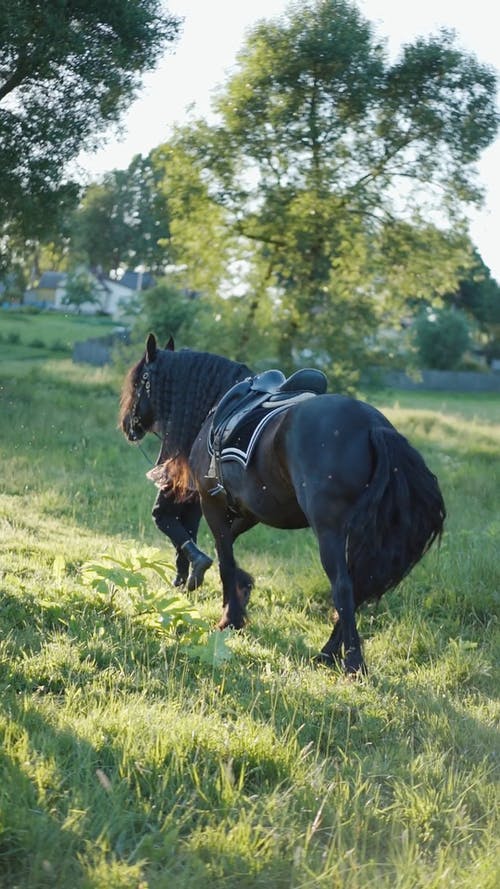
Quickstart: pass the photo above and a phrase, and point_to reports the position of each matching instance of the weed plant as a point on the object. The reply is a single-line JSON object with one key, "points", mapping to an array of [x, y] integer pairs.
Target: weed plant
{"points": [[129, 763]]}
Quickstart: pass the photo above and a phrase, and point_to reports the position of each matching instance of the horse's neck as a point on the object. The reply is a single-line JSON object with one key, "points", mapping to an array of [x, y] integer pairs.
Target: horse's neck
{"points": [[201, 392], [199, 456]]}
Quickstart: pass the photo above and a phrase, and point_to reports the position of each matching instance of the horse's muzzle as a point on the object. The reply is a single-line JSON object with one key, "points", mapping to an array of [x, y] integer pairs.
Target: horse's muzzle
{"points": [[133, 429]]}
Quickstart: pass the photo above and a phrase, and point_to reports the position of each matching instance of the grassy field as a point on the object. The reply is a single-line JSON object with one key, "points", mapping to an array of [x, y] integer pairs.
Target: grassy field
{"points": [[129, 761], [29, 336]]}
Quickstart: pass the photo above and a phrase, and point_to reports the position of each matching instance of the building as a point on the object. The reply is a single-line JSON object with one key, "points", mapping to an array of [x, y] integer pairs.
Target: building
{"points": [[112, 296]]}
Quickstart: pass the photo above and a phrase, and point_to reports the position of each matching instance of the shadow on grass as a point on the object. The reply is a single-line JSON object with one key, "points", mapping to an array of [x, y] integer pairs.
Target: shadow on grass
{"points": [[37, 845], [375, 727]]}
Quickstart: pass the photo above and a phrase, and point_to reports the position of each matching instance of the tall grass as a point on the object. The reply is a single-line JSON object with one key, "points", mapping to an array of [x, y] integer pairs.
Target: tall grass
{"points": [[127, 763]]}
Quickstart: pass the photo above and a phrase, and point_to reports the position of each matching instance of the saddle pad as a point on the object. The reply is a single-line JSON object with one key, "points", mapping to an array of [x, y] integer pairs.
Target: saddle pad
{"points": [[242, 440]]}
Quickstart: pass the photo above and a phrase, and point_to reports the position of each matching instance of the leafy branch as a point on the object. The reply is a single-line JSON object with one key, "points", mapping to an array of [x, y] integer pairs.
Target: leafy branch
{"points": [[125, 584]]}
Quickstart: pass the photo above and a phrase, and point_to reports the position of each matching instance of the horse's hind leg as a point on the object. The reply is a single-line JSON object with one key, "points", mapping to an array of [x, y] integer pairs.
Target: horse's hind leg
{"points": [[332, 552], [330, 653]]}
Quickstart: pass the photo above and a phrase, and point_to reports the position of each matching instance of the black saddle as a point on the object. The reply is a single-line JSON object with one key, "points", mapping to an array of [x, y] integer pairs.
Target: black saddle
{"points": [[270, 388], [252, 399]]}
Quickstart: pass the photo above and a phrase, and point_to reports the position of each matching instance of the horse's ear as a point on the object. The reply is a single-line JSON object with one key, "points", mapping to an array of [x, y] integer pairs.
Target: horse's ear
{"points": [[170, 345], [151, 348]]}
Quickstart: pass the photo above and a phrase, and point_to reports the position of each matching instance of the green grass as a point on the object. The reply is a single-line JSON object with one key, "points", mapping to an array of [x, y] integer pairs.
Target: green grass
{"points": [[26, 335], [479, 406], [126, 763]]}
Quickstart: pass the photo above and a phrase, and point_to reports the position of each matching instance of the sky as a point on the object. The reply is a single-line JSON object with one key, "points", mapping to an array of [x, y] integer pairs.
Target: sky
{"points": [[214, 30]]}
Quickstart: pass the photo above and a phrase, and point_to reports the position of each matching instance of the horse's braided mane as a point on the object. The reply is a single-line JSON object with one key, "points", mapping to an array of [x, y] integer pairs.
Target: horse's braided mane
{"points": [[186, 385]]}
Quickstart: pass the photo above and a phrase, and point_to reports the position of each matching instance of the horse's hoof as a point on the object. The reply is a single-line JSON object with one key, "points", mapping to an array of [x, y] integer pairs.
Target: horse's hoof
{"points": [[235, 623], [179, 580], [198, 568], [326, 660], [355, 673]]}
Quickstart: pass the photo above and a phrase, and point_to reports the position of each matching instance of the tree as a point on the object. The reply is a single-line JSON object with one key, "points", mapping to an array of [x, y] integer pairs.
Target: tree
{"points": [[67, 71], [478, 294], [200, 236], [80, 288], [123, 221], [442, 337], [334, 168], [168, 311]]}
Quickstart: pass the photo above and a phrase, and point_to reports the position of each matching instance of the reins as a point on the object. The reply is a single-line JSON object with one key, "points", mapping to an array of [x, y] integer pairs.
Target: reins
{"points": [[143, 452]]}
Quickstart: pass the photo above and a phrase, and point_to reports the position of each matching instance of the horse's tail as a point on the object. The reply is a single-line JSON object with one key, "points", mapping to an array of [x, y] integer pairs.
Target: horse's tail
{"points": [[397, 518]]}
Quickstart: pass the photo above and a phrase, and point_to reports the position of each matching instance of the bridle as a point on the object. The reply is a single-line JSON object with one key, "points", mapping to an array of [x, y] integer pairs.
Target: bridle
{"points": [[134, 422], [144, 386]]}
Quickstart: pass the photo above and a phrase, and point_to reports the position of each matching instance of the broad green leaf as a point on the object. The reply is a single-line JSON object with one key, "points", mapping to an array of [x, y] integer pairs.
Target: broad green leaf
{"points": [[215, 651]]}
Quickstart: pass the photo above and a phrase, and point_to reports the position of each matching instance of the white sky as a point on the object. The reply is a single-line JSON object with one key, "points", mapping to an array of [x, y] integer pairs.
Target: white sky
{"points": [[214, 30]]}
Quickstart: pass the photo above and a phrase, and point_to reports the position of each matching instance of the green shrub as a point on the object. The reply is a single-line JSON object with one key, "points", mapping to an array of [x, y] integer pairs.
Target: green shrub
{"points": [[441, 338], [59, 346]]}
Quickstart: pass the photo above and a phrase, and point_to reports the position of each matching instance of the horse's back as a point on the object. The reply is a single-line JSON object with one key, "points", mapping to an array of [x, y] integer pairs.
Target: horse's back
{"points": [[344, 411]]}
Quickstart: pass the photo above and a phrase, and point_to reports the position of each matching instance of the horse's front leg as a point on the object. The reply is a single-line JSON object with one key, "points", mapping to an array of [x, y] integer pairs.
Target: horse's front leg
{"points": [[233, 598], [233, 614]]}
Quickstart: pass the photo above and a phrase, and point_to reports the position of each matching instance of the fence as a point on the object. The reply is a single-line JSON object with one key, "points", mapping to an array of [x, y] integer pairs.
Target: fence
{"points": [[444, 380], [98, 350]]}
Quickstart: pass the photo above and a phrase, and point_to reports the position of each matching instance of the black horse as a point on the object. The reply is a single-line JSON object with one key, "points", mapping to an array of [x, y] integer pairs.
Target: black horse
{"points": [[330, 462]]}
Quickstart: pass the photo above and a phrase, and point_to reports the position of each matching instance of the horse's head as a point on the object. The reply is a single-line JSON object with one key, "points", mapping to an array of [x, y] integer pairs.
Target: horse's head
{"points": [[137, 416], [171, 394]]}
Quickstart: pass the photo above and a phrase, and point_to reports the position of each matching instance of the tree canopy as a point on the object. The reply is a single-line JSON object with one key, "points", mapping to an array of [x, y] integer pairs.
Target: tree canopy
{"points": [[327, 196], [121, 220], [338, 179], [67, 71], [478, 295]]}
